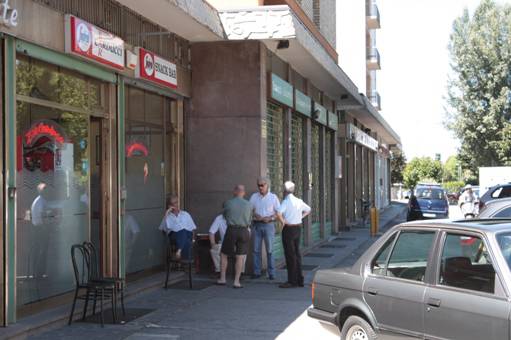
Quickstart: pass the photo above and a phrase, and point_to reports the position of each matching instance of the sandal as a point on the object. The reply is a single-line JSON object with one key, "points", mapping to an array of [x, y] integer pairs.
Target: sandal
{"points": [[219, 283], [237, 287]]}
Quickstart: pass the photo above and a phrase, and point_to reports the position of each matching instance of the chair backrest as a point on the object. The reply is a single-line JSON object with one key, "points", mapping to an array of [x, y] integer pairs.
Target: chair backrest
{"points": [[94, 263], [81, 265]]}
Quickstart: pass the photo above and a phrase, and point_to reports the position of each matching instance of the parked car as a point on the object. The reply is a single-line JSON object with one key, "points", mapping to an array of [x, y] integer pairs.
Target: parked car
{"points": [[496, 192], [428, 202], [500, 208], [427, 279]]}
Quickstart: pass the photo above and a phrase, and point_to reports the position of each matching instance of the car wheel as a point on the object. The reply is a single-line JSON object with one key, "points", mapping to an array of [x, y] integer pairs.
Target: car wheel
{"points": [[356, 328]]}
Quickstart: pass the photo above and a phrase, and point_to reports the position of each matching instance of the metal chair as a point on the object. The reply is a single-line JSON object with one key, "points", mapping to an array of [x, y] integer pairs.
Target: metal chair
{"points": [[183, 263], [96, 276], [94, 290]]}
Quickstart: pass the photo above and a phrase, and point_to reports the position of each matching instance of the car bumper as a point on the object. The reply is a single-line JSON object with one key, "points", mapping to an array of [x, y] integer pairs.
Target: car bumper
{"points": [[322, 315], [424, 215]]}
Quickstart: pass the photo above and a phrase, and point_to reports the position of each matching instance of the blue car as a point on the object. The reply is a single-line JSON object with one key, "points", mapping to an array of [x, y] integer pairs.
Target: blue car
{"points": [[428, 202]]}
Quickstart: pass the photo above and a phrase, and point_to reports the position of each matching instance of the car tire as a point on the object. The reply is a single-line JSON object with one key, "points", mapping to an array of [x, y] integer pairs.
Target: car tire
{"points": [[356, 328]]}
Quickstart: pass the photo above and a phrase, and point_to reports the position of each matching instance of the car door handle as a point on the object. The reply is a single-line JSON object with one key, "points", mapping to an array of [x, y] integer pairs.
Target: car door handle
{"points": [[372, 291], [434, 302]]}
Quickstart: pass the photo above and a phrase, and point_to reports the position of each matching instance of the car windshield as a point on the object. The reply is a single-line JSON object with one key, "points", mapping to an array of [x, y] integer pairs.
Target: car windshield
{"points": [[504, 240], [431, 193]]}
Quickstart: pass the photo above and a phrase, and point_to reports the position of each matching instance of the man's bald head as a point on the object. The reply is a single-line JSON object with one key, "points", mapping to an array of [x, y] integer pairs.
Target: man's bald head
{"points": [[239, 190]]}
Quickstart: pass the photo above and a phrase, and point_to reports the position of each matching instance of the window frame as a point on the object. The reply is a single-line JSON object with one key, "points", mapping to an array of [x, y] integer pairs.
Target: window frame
{"points": [[430, 259], [499, 292]]}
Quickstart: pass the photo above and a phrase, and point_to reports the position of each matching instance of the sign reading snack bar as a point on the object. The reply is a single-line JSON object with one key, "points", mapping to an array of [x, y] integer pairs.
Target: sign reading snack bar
{"points": [[91, 42], [156, 69]]}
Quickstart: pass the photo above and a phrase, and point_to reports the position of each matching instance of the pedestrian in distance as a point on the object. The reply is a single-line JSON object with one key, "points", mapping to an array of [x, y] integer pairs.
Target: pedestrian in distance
{"points": [[238, 215], [179, 226], [291, 213], [265, 205]]}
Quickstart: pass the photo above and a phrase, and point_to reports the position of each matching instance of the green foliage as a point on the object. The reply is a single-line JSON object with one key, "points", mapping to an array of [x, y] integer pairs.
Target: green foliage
{"points": [[479, 88], [422, 169], [397, 165], [454, 186], [451, 169]]}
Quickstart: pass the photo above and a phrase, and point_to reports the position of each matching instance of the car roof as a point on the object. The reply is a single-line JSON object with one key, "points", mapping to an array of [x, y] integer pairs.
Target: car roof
{"points": [[499, 201], [487, 225]]}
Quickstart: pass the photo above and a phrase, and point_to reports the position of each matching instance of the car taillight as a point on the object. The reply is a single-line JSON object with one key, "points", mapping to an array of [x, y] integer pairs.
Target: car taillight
{"points": [[312, 291]]}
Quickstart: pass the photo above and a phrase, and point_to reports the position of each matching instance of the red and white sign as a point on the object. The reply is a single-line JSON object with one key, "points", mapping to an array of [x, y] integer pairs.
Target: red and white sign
{"points": [[91, 42], [156, 69]]}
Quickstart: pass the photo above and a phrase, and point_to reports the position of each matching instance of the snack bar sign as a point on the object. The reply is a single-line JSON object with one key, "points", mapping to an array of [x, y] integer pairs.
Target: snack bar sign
{"points": [[91, 42], [156, 69]]}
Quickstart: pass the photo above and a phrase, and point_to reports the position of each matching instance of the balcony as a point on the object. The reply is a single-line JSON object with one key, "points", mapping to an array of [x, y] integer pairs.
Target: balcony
{"points": [[375, 99], [373, 59], [373, 17]]}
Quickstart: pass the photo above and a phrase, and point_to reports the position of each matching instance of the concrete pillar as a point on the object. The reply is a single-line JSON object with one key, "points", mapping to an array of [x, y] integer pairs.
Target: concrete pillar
{"points": [[343, 187], [336, 185], [322, 186]]}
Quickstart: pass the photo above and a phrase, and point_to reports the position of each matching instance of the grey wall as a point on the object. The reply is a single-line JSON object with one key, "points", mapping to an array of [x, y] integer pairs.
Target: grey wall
{"points": [[223, 125]]}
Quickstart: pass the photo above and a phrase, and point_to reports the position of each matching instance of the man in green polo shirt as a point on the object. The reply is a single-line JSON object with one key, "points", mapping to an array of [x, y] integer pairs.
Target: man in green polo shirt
{"points": [[238, 214]]}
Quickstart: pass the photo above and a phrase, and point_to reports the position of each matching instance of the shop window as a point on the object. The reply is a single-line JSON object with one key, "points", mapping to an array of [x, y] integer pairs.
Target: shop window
{"points": [[52, 175]]}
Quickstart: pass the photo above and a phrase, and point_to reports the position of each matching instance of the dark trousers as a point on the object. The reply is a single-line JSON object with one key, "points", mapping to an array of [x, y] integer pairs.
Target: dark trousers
{"points": [[291, 242], [183, 241]]}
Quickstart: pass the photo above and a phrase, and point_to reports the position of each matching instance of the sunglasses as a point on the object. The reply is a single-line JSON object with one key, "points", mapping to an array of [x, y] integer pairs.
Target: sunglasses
{"points": [[261, 185]]}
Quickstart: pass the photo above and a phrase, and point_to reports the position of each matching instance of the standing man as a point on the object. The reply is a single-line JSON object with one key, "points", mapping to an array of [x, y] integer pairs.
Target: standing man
{"points": [[264, 204], [291, 212], [179, 226], [238, 215]]}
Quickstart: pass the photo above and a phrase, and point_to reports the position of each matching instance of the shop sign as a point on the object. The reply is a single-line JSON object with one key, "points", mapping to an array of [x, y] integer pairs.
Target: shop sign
{"points": [[8, 14], [91, 42], [333, 121], [156, 69], [320, 114], [359, 136], [303, 103], [281, 90]]}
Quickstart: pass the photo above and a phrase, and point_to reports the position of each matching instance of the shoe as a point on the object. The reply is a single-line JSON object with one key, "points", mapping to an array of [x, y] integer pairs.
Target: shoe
{"points": [[237, 287], [287, 285], [220, 283], [255, 276], [271, 277]]}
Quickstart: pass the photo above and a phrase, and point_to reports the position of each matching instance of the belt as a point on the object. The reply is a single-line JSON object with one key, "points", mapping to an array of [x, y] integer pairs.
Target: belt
{"points": [[293, 225]]}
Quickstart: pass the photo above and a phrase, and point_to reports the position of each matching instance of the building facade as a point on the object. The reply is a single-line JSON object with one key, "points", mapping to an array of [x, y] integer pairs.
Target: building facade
{"points": [[110, 106]]}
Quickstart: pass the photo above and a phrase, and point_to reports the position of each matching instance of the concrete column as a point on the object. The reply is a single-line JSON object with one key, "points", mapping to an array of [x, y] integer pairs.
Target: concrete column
{"points": [[350, 180], [336, 185]]}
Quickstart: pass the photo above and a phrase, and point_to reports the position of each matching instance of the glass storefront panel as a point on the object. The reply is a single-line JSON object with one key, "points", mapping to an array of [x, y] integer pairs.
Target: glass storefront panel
{"points": [[52, 201], [145, 179], [52, 175]]}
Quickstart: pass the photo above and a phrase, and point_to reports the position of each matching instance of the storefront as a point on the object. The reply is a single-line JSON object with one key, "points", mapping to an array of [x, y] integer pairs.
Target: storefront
{"points": [[93, 144]]}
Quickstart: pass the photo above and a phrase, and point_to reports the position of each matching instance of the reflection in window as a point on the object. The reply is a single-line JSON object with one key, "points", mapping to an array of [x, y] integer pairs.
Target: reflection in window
{"points": [[466, 264]]}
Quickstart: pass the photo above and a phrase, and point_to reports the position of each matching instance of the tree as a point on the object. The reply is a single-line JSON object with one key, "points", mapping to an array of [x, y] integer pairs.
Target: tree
{"points": [[479, 95], [451, 169], [397, 166], [422, 169]]}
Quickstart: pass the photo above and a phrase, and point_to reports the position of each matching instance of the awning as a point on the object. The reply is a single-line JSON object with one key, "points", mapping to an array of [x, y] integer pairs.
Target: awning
{"points": [[273, 24], [194, 20]]}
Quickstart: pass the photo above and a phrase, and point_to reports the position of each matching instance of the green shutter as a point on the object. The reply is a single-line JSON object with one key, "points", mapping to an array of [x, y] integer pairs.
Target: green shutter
{"points": [[328, 183], [275, 159], [316, 213], [297, 157]]}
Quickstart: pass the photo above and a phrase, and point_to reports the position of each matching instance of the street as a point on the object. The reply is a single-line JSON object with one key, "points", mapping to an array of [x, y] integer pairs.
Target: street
{"points": [[259, 311]]}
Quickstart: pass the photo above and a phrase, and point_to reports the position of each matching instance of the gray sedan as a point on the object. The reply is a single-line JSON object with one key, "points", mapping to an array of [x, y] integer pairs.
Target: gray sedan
{"points": [[432, 280]]}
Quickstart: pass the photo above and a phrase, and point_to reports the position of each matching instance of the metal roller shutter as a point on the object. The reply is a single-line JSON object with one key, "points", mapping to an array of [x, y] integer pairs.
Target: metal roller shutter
{"points": [[297, 156], [315, 205]]}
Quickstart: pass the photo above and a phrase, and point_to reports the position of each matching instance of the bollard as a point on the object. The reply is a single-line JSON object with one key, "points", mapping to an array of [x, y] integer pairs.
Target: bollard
{"points": [[374, 221]]}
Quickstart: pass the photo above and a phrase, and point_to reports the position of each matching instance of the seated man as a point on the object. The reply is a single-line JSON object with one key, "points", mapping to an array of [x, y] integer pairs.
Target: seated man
{"points": [[179, 226], [219, 226]]}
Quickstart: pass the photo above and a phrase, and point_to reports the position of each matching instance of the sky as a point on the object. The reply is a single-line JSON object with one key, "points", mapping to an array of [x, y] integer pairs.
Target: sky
{"points": [[413, 43]]}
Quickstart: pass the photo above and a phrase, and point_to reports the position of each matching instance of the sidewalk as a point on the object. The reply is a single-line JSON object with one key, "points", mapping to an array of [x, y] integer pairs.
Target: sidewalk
{"points": [[259, 311]]}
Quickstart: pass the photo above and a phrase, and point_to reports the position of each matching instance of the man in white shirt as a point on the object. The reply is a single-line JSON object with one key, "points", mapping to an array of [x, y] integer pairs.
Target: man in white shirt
{"points": [[264, 204], [179, 226], [219, 226], [291, 212]]}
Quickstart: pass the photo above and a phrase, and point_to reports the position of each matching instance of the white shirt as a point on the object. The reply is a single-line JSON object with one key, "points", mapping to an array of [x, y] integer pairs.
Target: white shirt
{"points": [[265, 206], [220, 225], [174, 223], [292, 209]]}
